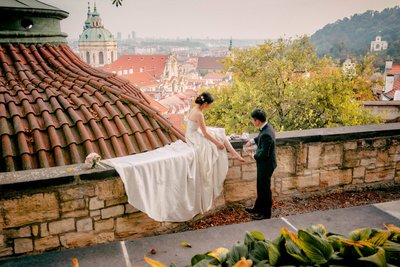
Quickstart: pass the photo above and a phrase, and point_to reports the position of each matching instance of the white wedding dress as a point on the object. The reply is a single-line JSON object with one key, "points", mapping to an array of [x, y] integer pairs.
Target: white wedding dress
{"points": [[211, 162], [175, 182]]}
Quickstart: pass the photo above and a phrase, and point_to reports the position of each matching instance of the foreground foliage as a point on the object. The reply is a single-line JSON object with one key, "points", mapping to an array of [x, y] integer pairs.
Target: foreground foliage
{"points": [[312, 246]]}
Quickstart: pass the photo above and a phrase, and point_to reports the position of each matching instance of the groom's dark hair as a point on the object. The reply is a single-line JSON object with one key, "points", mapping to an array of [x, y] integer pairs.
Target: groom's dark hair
{"points": [[259, 114]]}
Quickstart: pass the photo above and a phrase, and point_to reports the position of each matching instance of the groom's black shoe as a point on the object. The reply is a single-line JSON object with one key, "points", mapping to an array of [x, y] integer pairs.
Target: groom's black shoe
{"points": [[250, 210], [259, 217]]}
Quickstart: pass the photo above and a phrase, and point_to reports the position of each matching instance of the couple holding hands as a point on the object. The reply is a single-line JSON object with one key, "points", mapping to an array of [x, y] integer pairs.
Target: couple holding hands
{"points": [[211, 146]]}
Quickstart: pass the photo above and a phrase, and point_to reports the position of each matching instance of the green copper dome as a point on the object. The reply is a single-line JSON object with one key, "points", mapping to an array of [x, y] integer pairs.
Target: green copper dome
{"points": [[95, 35], [93, 30]]}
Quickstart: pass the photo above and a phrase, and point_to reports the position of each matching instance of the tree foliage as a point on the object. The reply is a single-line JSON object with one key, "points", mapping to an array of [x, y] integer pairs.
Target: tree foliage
{"points": [[297, 89], [353, 36]]}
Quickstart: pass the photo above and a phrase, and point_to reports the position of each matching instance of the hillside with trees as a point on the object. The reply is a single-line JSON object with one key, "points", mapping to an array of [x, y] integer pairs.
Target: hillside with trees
{"points": [[352, 36]]}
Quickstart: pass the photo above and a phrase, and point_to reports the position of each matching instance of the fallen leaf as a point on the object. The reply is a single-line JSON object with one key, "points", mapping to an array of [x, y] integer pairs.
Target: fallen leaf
{"points": [[75, 262], [186, 244], [154, 263]]}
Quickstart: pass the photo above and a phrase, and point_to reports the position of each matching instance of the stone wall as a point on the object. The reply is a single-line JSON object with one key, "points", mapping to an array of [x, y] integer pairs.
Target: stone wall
{"points": [[322, 160], [70, 206]]}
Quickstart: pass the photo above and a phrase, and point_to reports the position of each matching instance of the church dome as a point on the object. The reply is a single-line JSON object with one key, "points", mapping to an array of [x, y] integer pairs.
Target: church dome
{"points": [[95, 35]]}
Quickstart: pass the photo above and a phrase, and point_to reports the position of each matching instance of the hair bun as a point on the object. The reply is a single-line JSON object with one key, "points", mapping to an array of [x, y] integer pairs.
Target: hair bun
{"points": [[204, 98]]}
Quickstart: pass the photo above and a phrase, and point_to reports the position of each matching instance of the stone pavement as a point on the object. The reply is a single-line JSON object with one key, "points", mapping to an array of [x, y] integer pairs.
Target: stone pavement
{"points": [[130, 253]]}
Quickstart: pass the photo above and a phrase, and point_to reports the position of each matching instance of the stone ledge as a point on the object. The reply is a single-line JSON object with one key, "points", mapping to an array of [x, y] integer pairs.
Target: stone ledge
{"points": [[381, 103], [68, 173], [78, 172], [338, 133]]}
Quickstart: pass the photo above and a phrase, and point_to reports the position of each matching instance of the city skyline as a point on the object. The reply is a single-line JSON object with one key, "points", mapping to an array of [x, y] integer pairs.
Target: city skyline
{"points": [[237, 19]]}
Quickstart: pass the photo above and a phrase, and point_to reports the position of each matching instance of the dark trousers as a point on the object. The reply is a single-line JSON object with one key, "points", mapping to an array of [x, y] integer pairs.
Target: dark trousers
{"points": [[263, 204]]}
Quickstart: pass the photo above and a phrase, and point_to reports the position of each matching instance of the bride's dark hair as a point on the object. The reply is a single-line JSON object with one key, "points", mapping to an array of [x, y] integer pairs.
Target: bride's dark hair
{"points": [[204, 98]]}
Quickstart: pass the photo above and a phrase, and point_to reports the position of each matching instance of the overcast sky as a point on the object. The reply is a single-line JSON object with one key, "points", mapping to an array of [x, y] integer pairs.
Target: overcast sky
{"points": [[239, 19]]}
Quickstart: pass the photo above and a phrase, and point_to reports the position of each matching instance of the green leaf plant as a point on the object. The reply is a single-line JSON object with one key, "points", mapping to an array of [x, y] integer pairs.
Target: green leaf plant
{"points": [[312, 246]]}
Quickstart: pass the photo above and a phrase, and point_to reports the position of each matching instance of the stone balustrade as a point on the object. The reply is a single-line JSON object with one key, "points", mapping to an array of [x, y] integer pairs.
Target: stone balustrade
{"points": [[71, 206]]}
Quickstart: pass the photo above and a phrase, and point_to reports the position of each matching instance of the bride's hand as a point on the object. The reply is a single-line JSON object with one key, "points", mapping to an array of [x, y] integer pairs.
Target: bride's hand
{"points": [[220, 146]]}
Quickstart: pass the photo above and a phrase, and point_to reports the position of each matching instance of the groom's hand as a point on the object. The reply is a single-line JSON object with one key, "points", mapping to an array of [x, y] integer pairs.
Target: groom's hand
{"points": [[247, 144]]}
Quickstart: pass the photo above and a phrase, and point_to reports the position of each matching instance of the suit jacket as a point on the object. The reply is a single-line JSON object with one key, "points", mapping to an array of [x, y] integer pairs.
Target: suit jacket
{"points": [[266, 147]]}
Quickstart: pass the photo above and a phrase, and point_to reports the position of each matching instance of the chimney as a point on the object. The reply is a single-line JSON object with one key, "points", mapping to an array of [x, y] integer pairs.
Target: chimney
{"points": [[389, 82], [388, 64]]}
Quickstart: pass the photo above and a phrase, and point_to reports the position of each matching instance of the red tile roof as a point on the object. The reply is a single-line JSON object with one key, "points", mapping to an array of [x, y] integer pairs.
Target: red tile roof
{"points": [[210, 63], [155, 104], [141, 70], [395, 70], [141, 79], [177, 120], [214, 76], [55, 109], [396, 87]]}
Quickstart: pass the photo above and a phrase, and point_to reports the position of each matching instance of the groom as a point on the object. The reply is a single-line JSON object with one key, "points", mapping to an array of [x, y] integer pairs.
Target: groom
{"points": [[266, 163]]}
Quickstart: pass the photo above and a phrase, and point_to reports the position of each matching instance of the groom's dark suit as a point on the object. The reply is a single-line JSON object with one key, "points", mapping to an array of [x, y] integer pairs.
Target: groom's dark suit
{"points": [[266, 163]]}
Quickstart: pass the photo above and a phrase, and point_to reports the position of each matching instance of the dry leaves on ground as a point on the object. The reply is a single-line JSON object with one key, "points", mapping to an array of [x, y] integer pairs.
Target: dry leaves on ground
{"points": [[291, 206]]}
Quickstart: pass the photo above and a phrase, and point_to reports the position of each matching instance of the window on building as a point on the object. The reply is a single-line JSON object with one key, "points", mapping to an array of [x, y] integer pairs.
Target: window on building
{"points": [[101, 58], [112, 56], [87, 57]]}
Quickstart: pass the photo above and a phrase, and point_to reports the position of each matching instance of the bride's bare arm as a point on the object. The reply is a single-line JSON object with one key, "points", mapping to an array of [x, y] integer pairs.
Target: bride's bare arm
{"points": [[202, 125]]}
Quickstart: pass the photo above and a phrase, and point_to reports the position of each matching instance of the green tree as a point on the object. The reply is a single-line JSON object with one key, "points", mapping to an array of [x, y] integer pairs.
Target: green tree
{"points": [[297, 89]]}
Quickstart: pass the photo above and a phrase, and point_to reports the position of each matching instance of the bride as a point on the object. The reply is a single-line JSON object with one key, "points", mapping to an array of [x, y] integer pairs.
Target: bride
{"points": [[211, 146]]}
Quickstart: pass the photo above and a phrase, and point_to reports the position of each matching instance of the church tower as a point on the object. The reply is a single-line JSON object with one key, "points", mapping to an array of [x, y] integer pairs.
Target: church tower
{"points": [[97, 45]]}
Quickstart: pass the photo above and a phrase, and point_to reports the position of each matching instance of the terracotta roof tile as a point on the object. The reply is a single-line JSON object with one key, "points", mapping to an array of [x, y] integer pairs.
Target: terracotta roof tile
{"points": [[56, 109], [141, 70], [212, 63], [395, 70]]}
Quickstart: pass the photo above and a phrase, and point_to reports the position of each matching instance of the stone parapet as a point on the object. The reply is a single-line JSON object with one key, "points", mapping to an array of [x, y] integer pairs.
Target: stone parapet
{"points": [[67, 207]]}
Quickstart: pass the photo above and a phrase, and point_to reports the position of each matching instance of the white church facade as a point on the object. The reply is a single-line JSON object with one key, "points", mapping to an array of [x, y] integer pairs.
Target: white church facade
{"points": [[378, 44]]}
